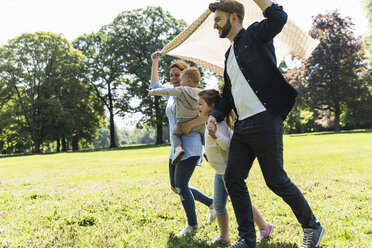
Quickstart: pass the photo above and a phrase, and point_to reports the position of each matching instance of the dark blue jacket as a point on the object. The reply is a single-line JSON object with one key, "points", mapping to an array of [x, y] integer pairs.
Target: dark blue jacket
{"points": [[255, 54]]}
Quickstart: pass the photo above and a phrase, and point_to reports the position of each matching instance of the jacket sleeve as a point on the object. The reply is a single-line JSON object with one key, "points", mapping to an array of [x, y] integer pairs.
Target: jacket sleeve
{"points": [[224, 106], [223, 136], [167, 91], [275, 20]]}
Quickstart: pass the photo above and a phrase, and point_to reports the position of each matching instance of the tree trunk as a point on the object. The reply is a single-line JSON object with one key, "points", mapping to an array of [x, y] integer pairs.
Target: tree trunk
{"points": [[159, 122], [159, 134], [75, 144], [337, 120], [112, 130], [37, 143], [64, 144], [58, 144], [112, 124]]}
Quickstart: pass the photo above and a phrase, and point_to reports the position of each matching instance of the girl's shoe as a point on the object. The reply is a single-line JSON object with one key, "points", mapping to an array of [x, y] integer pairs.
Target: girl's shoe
{"points": [[266, 233], [221, 241]]}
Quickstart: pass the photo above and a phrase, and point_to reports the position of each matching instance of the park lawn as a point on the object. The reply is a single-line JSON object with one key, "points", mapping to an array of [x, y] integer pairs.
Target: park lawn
{"points": [[122, 198]]}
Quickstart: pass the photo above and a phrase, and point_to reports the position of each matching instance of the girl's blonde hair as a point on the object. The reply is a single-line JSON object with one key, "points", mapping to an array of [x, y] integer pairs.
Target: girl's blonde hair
{"points": [[213, 97]]}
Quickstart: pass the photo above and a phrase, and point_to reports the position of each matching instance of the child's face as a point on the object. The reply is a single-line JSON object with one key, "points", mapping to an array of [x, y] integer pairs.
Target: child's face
{"points": [[186, 81], [203, 107]]}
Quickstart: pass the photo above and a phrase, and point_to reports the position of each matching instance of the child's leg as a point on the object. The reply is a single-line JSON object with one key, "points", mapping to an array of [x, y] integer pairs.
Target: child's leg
{"points": [[265, 228], [175, 138], [258, 219], [223, 225], [219, 201], [178, 151]]}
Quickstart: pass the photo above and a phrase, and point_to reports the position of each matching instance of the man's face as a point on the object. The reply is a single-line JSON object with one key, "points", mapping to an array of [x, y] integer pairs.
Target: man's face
{"points": [[222, 23]]}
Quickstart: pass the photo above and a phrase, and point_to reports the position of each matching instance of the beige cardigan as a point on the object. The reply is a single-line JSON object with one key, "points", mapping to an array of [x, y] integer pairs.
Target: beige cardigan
{"points": [[186, 100]]}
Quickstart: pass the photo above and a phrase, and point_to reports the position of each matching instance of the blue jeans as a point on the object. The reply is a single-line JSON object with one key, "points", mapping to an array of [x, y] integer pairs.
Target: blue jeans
{"points": [[261, 137], [180, 175], [220, 194]]}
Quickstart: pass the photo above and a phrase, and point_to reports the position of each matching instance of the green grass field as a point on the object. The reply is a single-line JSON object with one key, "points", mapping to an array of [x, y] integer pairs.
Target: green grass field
{"points": [[122, 198]]}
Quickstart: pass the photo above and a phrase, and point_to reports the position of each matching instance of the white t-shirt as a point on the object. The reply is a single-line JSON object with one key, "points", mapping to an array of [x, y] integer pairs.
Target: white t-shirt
{"points": [[217, 150], [246, 102]]}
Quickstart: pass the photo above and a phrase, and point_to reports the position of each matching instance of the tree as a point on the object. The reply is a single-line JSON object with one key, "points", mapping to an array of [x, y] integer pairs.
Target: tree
{"points": [[40, 70], [106, 67], [332, 75], [368, 37], [138, 33]]}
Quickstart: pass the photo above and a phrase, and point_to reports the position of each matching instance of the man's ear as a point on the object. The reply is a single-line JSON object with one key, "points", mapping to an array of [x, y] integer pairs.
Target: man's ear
{"points": [[234, 18]]}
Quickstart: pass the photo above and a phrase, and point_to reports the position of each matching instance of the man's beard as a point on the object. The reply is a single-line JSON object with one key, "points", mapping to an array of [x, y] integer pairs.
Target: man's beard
{"points": [[225, 29]]}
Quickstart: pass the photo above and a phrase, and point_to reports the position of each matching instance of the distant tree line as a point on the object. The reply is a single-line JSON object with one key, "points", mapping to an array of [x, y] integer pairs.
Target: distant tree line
{"points": [[56, 95]]}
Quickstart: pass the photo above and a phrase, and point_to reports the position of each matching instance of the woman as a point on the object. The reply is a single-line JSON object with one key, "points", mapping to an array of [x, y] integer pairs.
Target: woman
{"points": [[181, 173]]}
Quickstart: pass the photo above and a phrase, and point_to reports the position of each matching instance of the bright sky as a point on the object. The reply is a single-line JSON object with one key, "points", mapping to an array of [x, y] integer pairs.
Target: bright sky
{"points": [[72, 18]]}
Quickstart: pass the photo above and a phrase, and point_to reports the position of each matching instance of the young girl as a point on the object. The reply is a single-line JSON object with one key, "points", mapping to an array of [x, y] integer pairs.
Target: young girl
{"points": [[217, 150]]}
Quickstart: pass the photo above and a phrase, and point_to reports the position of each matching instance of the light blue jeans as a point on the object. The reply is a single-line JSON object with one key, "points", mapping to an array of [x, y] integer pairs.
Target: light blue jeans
{"points": [[179, 179], [220, 194]]}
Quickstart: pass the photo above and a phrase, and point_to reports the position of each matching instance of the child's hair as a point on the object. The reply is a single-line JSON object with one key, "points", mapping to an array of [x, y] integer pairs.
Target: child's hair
{"points": [[212, 96], [180, 64], [193, 74]]}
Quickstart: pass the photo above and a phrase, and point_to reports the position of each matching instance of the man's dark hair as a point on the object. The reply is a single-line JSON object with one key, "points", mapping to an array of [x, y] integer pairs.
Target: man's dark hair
{"points": [[229, 6]]}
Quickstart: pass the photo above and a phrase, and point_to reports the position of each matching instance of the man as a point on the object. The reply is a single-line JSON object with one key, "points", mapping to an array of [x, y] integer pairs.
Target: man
{"points": [[261, 97]]}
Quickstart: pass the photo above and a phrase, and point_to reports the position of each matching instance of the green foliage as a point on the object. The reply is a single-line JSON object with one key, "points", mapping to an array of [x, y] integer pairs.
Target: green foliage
{"points": [[336, 72], [139, 33], [43, 92], [302, 121], [122, 197], [119, 63], [368, 38], [104, 72]]}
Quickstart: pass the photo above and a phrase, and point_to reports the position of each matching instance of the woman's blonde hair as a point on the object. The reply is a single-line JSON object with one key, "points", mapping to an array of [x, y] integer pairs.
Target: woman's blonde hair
{"points": [[213, 97]]}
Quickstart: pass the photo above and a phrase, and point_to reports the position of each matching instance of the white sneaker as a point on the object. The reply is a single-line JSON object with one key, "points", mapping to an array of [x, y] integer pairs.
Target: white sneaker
{"points": [[211, 215], [178, 154], [184, 232]]}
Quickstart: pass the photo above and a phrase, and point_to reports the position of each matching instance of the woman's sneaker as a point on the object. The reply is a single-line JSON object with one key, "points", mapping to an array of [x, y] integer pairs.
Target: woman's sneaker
{"points": [[184, 232], [178, 154], [266, 233]]}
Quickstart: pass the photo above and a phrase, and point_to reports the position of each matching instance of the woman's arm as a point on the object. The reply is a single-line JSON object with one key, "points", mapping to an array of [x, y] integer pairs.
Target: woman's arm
{"points": [[185, 127], [155, 66]]}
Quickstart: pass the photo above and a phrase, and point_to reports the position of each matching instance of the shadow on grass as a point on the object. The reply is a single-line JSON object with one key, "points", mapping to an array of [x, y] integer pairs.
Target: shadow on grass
{"points": [[268, 244], [189, 241], [90, 150]]}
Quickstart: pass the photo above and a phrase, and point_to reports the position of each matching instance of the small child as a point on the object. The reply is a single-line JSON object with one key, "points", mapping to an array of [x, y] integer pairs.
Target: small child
{"points": [[186, 106], [217, 150]]}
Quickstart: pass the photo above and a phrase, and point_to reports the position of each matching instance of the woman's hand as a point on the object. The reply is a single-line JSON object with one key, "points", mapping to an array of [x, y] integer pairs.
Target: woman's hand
{"points": [[148, 92], [155, 56], [185, 128]]}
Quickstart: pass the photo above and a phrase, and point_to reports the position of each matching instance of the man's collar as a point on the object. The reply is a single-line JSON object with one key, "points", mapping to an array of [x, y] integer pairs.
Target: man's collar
{"points": [[239, 34]]}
